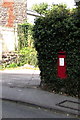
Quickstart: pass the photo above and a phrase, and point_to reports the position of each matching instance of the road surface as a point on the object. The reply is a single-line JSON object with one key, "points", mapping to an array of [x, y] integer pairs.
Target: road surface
{"points": [[20, 79], [17, 110]]}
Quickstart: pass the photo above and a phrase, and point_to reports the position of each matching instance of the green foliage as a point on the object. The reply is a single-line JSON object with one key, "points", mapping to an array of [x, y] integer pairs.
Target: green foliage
{"points": [[58, 31], [12, 65], [0, 67], [40, 8], [25, 38], [23, 35], [28, 55], [26, 51], [30, 37]]}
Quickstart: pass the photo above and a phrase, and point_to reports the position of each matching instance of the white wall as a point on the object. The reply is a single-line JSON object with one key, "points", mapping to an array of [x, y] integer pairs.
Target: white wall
{"points": [[0, 49], [8, 38]]}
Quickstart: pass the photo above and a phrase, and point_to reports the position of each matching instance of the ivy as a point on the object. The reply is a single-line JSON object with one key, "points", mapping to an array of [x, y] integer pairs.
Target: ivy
{"points": [[23, 35]]}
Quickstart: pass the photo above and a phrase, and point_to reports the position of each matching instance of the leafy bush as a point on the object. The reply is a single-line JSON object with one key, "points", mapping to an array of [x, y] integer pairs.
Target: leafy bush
{"points": [[12, 65], [58, 31], [41, 8], [28, 55]]}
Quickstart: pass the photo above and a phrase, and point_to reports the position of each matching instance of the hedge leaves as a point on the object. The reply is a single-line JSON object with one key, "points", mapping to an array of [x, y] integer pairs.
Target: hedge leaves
{"points": [[59, 31]]}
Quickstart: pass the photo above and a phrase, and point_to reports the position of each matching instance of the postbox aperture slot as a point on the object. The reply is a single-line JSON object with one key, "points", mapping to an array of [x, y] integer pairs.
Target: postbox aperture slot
{"points": [[61, 61]]}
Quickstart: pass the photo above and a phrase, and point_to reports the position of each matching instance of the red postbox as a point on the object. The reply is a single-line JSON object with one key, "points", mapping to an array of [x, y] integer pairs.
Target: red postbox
{"points": [[61, 72]]}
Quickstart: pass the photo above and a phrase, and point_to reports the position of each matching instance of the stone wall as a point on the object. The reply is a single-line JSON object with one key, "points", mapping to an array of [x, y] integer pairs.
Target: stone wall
{"points": [[20, 11], [9, 58], [13, 12], [3, 15]]}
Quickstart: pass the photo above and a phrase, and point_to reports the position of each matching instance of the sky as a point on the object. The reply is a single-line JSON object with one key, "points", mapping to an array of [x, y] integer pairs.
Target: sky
{"points": [[70, 4]]}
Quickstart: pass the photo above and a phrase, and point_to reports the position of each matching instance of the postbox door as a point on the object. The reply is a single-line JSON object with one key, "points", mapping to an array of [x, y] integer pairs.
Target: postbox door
{"points": [[61, 66]]}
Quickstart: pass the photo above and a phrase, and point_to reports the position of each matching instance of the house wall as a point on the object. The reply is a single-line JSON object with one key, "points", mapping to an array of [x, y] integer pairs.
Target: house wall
{"points": [[12, 12], [8, 38]]}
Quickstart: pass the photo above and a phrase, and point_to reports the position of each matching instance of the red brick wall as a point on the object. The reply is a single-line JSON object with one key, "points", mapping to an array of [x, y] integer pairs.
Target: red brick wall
{"points": [[10, 13]]}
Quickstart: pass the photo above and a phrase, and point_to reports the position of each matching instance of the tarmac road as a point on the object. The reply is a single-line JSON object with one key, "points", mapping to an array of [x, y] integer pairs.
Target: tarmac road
{"points": [[20, 79], [17, 110]]}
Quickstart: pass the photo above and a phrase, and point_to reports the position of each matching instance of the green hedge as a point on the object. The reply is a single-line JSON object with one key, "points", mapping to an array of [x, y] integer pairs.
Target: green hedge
{"points": [[58, 31]]}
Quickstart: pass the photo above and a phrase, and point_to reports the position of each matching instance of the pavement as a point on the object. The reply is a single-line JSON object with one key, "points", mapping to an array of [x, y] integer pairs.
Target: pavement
{"points": [[38, 97]]}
